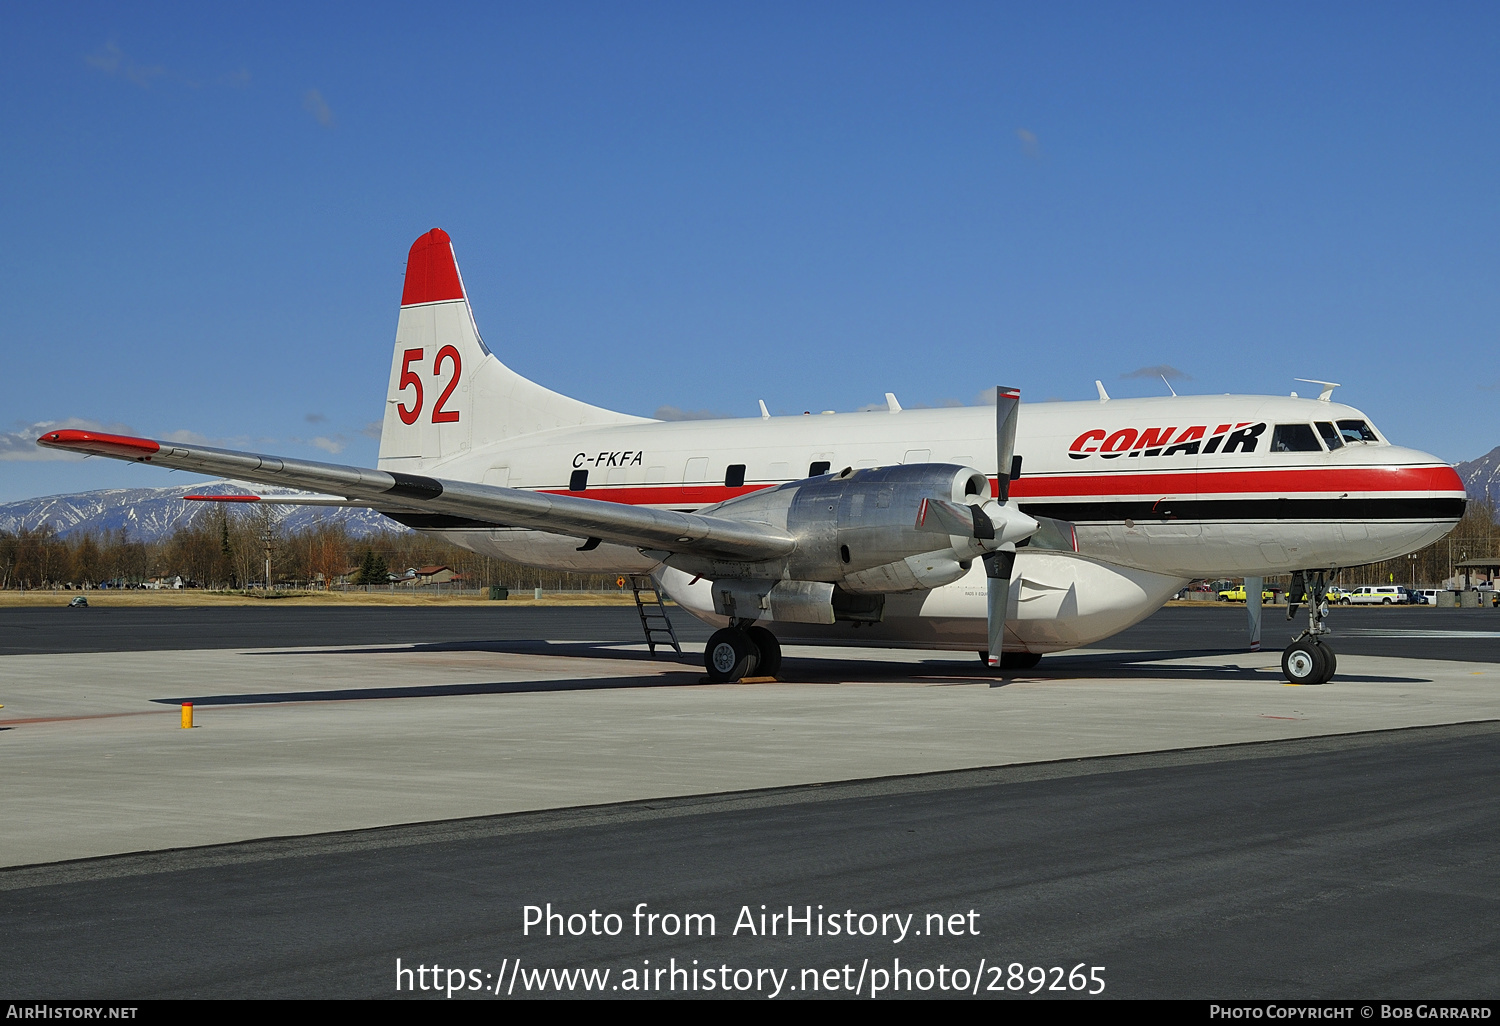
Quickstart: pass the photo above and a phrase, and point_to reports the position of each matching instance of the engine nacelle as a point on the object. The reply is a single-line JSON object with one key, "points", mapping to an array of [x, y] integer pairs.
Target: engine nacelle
{"points": [[858, 529]]}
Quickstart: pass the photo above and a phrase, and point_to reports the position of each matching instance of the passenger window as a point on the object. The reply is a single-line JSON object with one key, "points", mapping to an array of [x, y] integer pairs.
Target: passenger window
{"points": [[1330, 435], [579, 481], [817, 468], [1295, 438], [1356, 431], [734, 476]]}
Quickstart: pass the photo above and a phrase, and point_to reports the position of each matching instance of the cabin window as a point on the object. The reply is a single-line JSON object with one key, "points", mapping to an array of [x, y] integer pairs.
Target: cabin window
{"points": [[1356, 431], [1295, 438], [734, 475], [818, 468], [579, 481], [1331, 436]]}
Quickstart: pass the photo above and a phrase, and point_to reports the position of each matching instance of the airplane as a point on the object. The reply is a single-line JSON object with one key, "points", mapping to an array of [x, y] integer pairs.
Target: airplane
{"points": [[906, 528]]}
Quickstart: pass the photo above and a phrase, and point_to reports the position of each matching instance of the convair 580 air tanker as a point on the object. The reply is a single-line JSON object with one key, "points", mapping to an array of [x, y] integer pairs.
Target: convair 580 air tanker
{"points": [[1013, 531]]}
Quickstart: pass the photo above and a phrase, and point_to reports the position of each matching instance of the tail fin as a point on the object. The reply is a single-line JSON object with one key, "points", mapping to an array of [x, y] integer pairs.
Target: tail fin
{"points": [[448, 394]]}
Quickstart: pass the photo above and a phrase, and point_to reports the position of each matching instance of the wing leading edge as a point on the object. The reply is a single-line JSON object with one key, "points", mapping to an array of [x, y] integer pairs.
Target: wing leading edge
{"points": [[569, 515]]}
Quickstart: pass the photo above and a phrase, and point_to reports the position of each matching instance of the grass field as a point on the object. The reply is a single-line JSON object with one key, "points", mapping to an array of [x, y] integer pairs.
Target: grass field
{"points": [[406, 597]]}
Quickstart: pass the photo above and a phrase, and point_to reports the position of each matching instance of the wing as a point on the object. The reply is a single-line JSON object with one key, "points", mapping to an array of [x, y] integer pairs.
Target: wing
{"points": [[570, 515]]}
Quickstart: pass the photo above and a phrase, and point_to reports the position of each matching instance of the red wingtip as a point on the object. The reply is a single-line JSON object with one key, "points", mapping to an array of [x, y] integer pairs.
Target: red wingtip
{"points": [[100, 444], [431, 272]]}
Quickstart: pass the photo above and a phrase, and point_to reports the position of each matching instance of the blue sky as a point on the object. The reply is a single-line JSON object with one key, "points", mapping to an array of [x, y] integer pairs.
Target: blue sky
{"points": [[695, 206]]}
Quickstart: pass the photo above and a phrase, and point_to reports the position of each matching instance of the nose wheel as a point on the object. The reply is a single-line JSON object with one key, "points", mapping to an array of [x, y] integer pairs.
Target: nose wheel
{"points": [[1309, 659], [1308, 662]]}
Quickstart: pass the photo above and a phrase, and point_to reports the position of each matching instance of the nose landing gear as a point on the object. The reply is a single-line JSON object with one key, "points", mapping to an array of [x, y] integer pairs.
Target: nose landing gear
{"points": [[1309, 659]]}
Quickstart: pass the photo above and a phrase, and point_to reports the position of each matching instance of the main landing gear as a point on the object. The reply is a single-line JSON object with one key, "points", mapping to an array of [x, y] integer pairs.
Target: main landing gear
{"points": [[1309, 659], [741, 650]]}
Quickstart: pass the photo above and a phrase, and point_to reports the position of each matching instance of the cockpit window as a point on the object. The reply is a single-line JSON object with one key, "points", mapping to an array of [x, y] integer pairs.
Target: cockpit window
{"points": [[1331, 436], [1356, 431], [1295, 438]]}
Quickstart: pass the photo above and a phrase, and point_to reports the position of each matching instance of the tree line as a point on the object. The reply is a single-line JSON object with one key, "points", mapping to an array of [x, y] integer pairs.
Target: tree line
{"points": [[229, 549]]}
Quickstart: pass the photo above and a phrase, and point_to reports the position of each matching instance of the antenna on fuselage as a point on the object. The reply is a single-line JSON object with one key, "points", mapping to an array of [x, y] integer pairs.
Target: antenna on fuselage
{"points": [[765, 414], [1103, 395], [1328, 386], [1164, 381]]}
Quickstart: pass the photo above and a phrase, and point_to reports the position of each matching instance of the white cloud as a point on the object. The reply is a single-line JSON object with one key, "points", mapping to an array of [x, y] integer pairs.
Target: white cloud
{"points": [[111, 60], [371, 430], [21, 443], [314, 104], [333, 445]]}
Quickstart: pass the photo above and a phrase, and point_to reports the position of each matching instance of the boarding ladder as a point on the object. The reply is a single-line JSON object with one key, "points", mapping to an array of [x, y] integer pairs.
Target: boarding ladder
{"points": [[654, 620]]}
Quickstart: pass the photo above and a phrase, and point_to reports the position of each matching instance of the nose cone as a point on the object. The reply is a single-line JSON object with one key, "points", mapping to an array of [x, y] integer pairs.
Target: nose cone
{"points": [[1411, 500]]}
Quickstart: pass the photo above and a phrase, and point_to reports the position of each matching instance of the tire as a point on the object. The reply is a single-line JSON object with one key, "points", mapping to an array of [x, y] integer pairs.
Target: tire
{"points": [[1302, 663], [1019, 660], [1385, 602], [1330, 663], [730, 655], [769, 650]]}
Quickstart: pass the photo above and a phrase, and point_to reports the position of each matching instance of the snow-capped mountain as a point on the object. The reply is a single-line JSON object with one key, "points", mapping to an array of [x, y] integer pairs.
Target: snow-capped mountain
{"points": [[1482, 476], [151, 513]]}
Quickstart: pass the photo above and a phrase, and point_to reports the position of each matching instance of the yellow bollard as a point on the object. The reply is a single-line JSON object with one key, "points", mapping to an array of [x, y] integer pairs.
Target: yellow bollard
{"points": [[187, 715]]}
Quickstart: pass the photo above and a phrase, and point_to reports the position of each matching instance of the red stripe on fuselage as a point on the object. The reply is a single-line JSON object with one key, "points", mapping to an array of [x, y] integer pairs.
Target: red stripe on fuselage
{"points": [[1201, 484]]}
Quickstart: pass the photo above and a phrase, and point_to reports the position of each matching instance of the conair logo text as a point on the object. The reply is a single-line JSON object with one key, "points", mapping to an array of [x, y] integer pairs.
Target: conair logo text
{"points": [[1224, 438]]}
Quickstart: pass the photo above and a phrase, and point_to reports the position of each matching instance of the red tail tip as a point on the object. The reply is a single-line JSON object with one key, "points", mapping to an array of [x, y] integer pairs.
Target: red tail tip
{"points": [[431, 272]]}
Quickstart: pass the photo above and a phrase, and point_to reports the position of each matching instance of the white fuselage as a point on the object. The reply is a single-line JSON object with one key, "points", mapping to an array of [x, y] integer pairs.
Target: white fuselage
{"points": [[1161, 491]]}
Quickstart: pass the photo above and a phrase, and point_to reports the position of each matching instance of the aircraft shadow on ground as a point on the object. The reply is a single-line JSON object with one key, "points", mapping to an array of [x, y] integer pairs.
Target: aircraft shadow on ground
{"points": [[800, 669], [575, 649]]}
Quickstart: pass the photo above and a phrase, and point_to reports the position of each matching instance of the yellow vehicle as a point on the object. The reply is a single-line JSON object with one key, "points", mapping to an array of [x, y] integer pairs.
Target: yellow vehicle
{"points": [[1238, 595]]}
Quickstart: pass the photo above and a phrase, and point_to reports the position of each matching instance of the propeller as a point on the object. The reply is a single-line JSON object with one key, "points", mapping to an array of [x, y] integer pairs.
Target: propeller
{"points": [[996, 525], [998, 564]]}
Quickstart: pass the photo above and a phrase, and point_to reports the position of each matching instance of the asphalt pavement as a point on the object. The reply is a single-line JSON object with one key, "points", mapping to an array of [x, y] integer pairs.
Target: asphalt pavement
{"points": [[1336, 867]]}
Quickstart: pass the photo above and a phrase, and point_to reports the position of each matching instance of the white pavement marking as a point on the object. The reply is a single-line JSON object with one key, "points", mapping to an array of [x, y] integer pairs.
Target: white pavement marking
{"points": [[341, 739], [1396, 632]]}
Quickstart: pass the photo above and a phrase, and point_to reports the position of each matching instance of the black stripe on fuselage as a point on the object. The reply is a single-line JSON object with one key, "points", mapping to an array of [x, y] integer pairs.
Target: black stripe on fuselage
{"points": [[1207, 510]]}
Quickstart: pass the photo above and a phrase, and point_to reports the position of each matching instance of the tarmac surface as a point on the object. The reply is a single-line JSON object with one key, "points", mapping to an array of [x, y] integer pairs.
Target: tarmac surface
{"points": [[1168, 808], [1361, 630]]}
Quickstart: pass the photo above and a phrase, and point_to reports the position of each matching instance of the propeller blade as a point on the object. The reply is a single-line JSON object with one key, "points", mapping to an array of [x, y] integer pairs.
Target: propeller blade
{"points": [[998, 564], [991, 523], [942, 517], [1007, 406], [997, 567]]}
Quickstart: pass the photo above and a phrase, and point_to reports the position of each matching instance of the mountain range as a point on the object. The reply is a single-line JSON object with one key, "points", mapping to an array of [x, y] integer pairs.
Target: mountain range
{"points": [[147, 514], [1482, 477]]}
